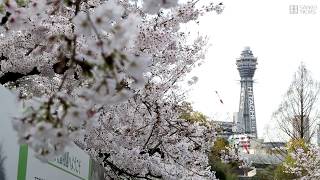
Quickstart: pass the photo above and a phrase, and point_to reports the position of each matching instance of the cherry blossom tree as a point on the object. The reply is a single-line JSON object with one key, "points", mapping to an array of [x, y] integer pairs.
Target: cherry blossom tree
{"points": [[304, 162], [104, 74]]}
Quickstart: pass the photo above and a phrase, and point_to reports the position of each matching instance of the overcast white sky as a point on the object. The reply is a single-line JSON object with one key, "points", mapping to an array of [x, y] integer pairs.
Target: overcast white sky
{"points": [[279, 39]]}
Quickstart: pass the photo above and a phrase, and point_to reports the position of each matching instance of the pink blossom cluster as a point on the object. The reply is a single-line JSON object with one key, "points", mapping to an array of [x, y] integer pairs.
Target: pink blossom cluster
{"points": [[105, 74]]}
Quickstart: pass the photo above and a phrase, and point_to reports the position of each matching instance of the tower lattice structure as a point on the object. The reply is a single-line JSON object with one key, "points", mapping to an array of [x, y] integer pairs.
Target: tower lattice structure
{"points": [[246, 119]]}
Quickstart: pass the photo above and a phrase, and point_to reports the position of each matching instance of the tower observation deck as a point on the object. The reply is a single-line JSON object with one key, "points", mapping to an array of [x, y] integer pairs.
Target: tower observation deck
{"points": [[246, 119]]}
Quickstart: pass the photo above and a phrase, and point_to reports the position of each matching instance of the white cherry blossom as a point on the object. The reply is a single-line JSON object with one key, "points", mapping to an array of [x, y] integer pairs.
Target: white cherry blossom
{"points": [[104, 74]]}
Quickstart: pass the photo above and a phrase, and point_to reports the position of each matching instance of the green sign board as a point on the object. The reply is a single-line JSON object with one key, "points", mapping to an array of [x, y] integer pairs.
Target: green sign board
{"points": [[18, 162], [74, 164]]}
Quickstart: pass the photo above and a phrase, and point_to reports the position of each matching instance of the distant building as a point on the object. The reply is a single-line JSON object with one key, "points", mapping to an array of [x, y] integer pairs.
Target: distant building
{"points": [[243, 142], [272, 145], [263, 160], [224, 129], [246, 117], [236, 122]]}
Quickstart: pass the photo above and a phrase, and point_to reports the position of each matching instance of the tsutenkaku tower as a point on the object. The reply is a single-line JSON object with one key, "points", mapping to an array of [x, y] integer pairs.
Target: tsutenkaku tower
{"points": [[246, 119]]}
